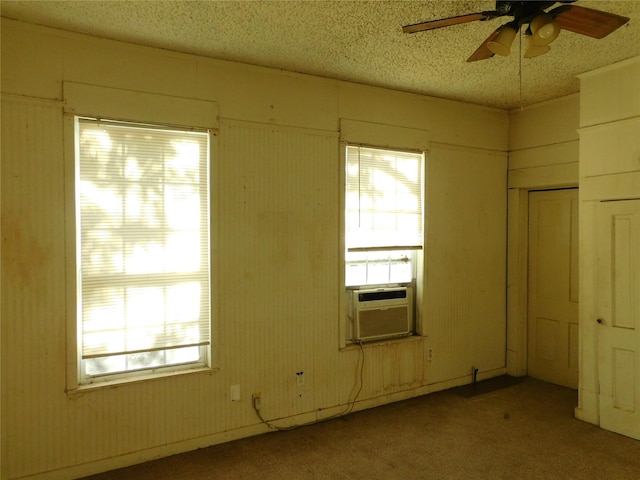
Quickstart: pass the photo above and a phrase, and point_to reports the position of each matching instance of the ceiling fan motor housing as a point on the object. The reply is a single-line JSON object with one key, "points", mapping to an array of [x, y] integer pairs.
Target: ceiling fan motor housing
{"points": [[523, 12], [506, 7]]}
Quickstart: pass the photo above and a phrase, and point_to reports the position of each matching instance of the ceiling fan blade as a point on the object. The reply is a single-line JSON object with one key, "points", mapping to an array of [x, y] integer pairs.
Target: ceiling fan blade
{"points": [[443, 22], [483, 52], [587, 21]]}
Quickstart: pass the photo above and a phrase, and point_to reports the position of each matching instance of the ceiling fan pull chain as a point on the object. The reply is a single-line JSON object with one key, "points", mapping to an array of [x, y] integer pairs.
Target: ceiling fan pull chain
{"points": [[520, 71]]}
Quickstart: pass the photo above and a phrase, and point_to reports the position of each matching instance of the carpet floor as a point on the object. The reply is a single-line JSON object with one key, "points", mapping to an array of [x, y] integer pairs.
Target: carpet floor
{"points": [[515, 430]]}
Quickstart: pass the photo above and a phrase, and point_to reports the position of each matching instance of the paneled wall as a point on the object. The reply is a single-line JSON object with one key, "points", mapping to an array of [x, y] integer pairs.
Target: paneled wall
{"points": [[277, 260], [463, 204], [543, 144]]}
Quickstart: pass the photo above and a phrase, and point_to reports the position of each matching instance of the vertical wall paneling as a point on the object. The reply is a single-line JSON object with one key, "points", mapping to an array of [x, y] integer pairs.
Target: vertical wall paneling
{"points": [[574, 281], [33, 271], [465, 286], [279, 211], [278, 245]]}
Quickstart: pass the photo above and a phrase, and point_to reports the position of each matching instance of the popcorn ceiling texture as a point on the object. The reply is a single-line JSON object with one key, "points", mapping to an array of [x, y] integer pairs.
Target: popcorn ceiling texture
{"points": [[358, 41]]}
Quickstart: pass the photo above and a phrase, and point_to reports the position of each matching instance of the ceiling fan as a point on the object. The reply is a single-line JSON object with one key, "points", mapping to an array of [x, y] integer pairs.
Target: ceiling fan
{"points": [[542, 26]]}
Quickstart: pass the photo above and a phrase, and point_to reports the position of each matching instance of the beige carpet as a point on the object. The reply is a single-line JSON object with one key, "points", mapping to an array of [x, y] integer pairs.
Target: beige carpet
{"points": [[524, 430]]}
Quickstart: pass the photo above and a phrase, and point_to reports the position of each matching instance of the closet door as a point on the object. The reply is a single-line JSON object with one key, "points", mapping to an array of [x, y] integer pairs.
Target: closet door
{"points": [[619, 315], [553, 287]]}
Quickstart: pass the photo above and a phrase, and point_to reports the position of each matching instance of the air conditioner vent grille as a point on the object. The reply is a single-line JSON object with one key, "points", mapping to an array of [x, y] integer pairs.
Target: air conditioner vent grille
{"points": [[382, 295]]}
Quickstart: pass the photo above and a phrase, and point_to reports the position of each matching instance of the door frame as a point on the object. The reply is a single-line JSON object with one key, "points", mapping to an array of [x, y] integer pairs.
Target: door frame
{"points": [[518, 272]]}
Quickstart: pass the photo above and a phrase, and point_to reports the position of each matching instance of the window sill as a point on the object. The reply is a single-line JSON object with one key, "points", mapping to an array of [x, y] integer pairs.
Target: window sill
{"points": [[378, 285], [384, 342], [122, 381]]}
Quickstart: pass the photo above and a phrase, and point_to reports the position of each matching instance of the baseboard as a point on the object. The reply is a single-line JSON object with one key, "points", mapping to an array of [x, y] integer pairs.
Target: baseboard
{"points": [[466, 379]]}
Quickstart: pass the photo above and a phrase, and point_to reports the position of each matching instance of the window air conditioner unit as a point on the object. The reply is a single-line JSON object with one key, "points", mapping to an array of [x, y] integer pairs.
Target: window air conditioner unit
{"points": [[382, 313]]}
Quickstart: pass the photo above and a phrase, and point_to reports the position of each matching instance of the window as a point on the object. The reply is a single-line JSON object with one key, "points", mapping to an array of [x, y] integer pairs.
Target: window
{"points": [[142, 225], [383, 203]]}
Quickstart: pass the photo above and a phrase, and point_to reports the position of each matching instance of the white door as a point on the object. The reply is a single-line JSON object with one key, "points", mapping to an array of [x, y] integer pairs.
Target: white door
{"points": [[552, 330], [619, 316]]}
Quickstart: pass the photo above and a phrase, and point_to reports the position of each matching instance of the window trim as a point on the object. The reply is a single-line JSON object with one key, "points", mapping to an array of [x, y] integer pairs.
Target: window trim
{"points": [[389, 137], [138, 108]]}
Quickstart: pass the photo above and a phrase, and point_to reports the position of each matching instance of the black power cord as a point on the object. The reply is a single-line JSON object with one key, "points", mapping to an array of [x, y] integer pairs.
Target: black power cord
{"points": [[256, 402]]}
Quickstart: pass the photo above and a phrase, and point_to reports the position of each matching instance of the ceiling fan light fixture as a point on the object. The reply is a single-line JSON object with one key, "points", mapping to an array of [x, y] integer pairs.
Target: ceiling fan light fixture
{"points": [[541, 26], [531, 49], [545, 29], [501, 44]]}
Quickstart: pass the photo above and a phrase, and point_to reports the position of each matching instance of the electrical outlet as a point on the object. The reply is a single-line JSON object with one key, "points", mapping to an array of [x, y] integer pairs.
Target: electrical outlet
{"points": [[430, 355], [257, 401], [235, 393], [300, 378]]}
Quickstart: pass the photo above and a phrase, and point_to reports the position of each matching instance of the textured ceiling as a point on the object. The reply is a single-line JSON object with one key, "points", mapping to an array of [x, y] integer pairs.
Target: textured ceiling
{"points": [[359, 41]]}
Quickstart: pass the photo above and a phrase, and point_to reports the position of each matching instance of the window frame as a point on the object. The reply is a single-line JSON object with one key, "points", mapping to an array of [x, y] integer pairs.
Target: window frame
{"points": [[160, 279], [411, 249], [386, 137], [139, 108]]}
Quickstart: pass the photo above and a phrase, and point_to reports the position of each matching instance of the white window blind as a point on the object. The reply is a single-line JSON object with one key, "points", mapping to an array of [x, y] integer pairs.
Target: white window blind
{"points": [[143, 241], [383, 200]]}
